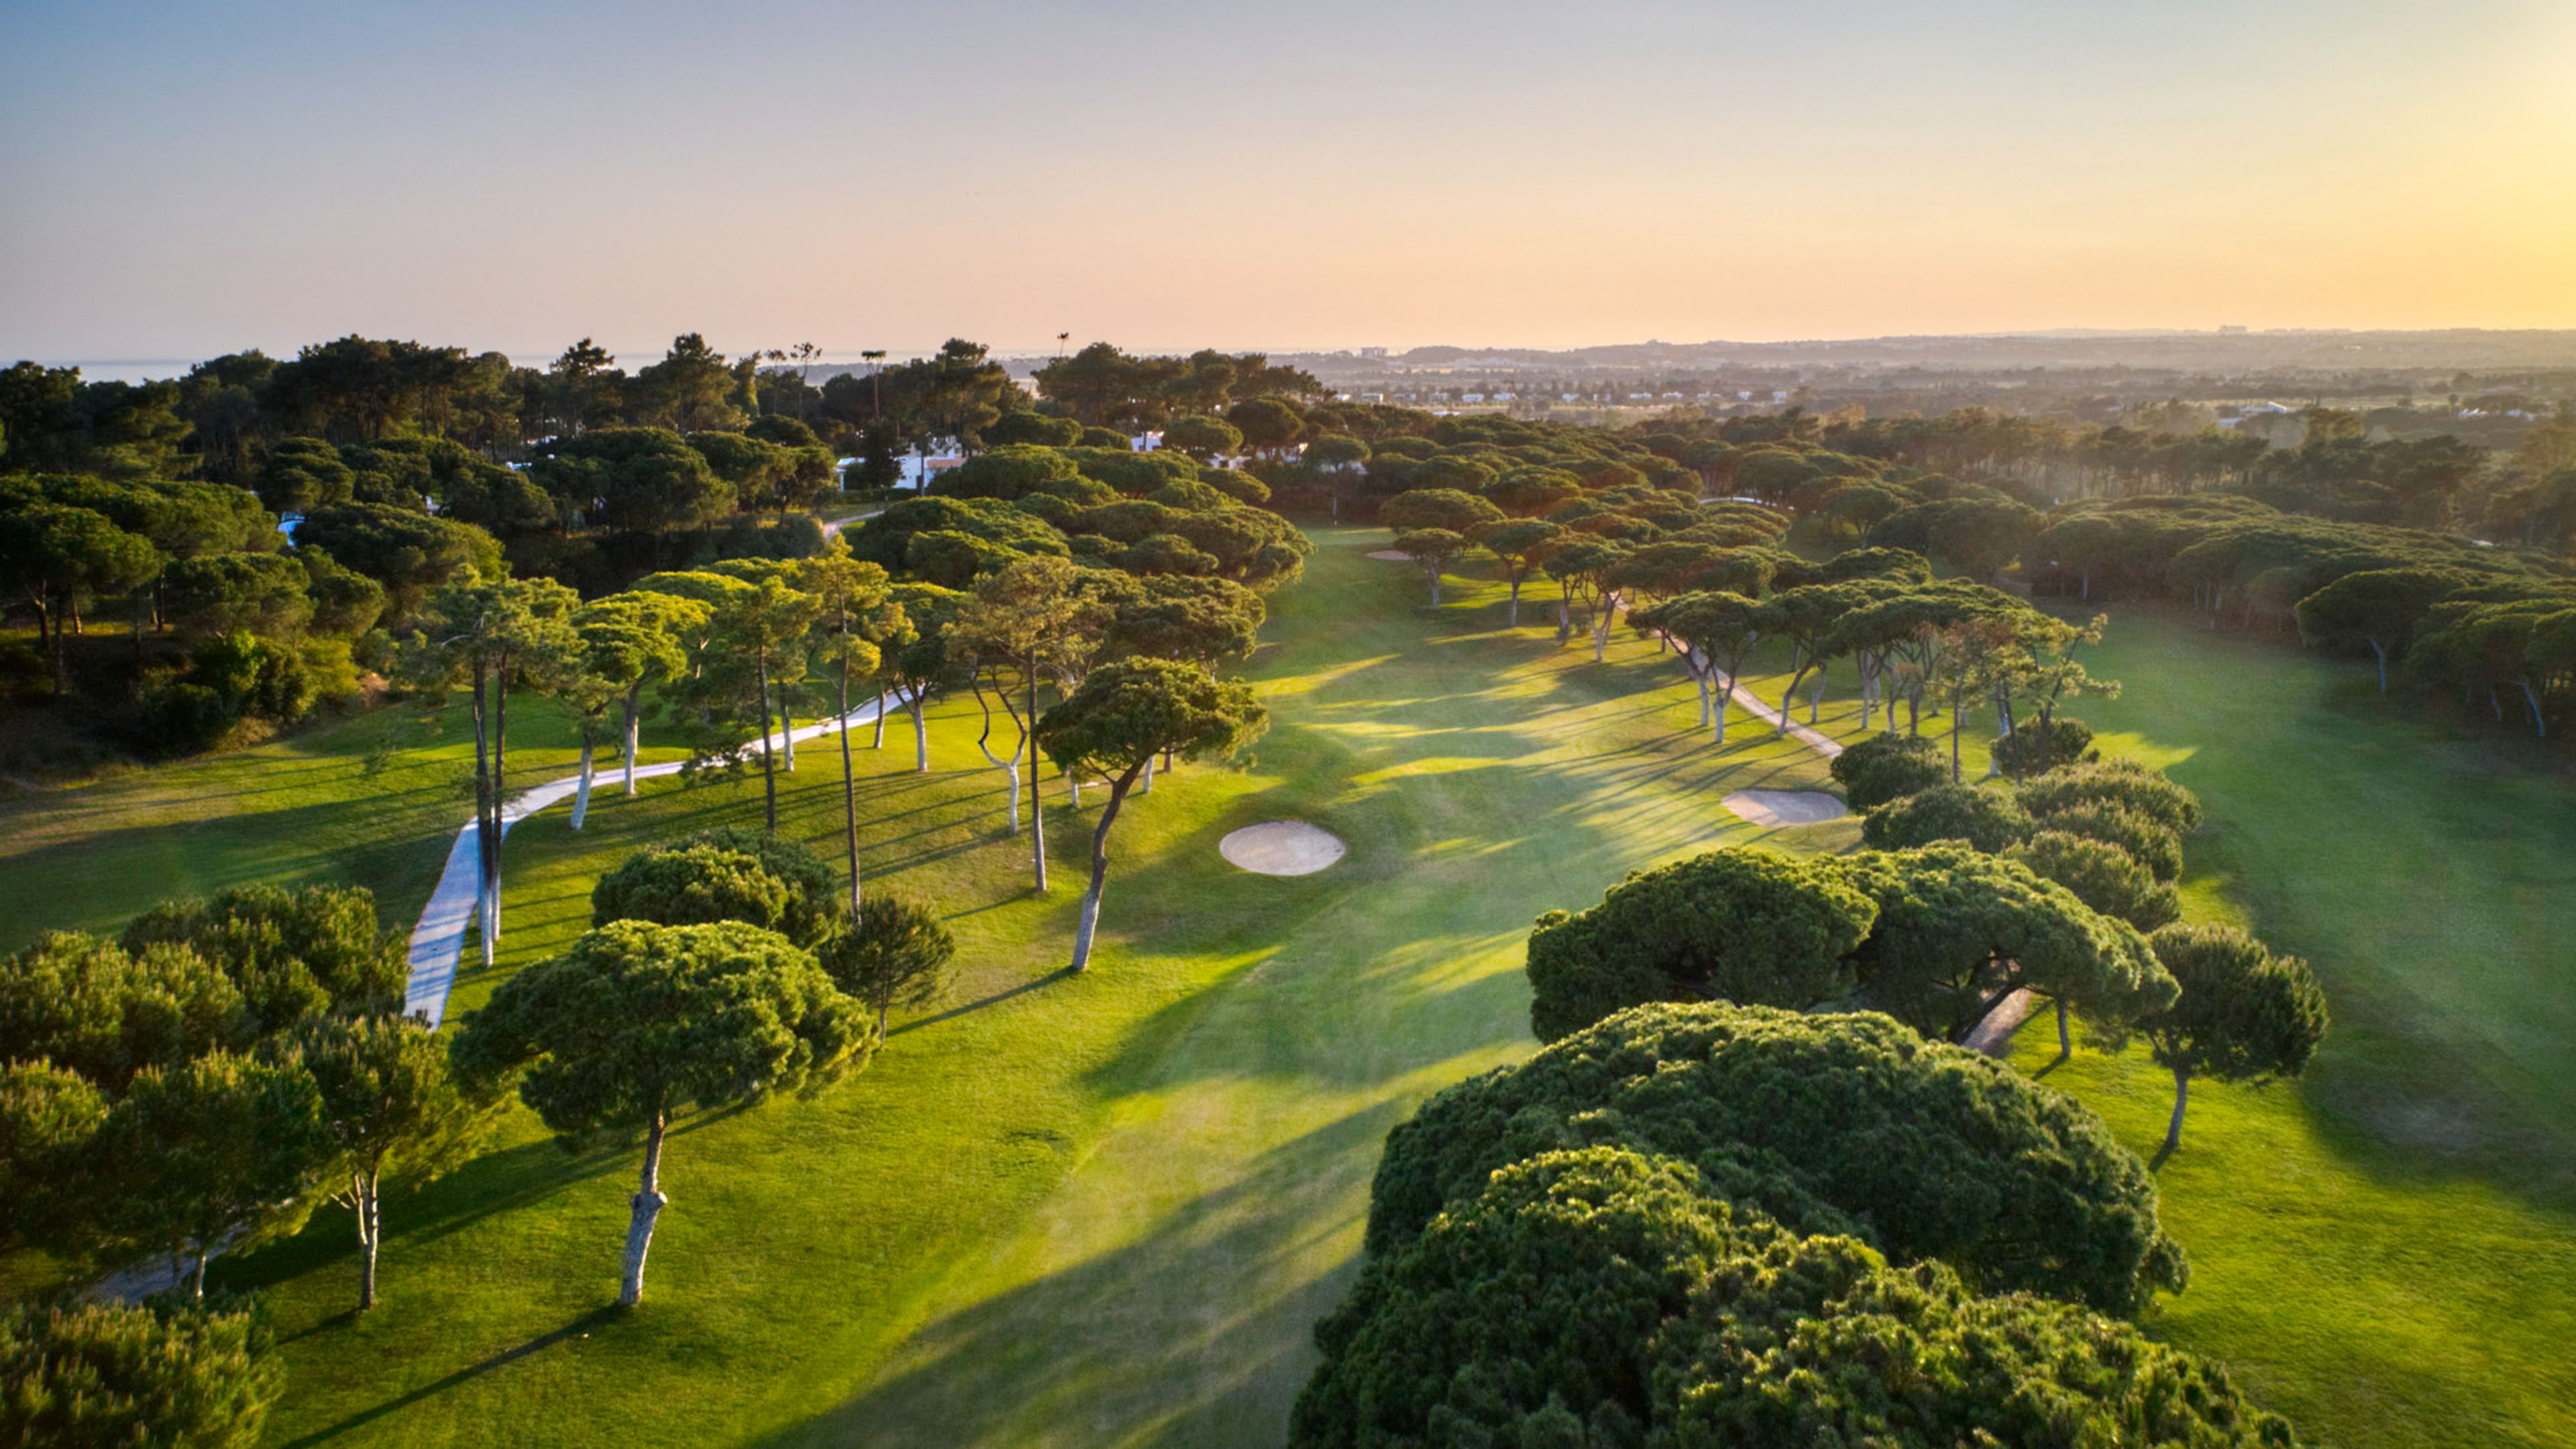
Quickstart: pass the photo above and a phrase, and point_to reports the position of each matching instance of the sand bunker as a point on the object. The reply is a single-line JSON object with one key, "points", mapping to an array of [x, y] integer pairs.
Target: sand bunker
{"points": [[1391, 556], [1282, 847], [1783, 807]]}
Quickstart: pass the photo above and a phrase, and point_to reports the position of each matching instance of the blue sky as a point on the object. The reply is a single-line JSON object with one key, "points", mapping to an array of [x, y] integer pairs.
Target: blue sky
{"points": [[189, 178]]}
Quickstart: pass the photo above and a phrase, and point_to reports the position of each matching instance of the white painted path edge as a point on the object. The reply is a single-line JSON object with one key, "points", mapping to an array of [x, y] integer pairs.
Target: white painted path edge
{"points": [[439, 939]]}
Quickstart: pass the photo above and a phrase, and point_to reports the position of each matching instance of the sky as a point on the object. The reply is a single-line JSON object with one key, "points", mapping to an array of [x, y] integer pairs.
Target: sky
{"points": [[180, 180]]}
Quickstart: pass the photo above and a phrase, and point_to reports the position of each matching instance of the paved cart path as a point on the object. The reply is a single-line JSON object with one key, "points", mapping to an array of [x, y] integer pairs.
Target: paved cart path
{"points": [[439, 939]]}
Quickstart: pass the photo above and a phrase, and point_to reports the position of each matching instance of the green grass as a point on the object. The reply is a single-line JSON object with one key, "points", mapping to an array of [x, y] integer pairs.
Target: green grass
{"points": [[1107, 1209], [1074, 1210], [2386, 1249], [90, 856]]}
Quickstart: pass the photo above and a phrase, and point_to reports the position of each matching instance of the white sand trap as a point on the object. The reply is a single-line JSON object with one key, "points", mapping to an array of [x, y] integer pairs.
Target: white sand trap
{"points": [[1391, 556], [1282, 847], [1783, 807]]}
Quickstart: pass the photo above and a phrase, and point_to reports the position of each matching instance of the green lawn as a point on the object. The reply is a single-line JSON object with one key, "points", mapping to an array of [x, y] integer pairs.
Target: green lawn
{"points": [[2385, 1250], [1102, 1208], [1107, 1209]]}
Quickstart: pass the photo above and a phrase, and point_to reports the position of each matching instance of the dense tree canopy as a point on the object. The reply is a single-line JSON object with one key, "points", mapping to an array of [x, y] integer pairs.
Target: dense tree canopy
{"points": [[1827, 1124], [1607, 1297], [110, 1376]]}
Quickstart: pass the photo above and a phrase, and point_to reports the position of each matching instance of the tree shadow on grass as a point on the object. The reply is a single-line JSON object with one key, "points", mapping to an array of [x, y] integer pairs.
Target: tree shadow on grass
{"points": [[1190, 1335], [578, 1328]]}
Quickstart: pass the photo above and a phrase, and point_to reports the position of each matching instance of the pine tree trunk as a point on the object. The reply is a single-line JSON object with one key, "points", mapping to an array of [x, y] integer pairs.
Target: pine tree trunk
{"points": [[2065, 1038], [768, 768], [879, 744], [370, 1235], [1513, 618], [482, 813], [2182, 1098], [849, 780], [1725, 696], [634, 731], [647, 1206], [786, 734], [581, 792], [920, 736], [1037, 807], [1087, 924]]}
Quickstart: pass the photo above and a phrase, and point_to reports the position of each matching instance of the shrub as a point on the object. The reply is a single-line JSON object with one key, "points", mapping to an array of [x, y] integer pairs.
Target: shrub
{"points": [[1990, 820], [2146, 840], [725, 874], [2027, 750], [2120, 783], [2103, 876], [1887, 767]]}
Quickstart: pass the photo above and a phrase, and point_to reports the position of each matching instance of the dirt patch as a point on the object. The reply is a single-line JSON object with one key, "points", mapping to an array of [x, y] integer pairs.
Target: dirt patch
{"points": [[1784, 807], [1282, 847], [1391, 556]]}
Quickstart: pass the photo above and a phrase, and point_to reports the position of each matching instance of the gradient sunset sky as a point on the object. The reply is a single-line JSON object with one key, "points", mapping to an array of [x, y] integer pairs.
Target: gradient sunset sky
{"points": [[187, 179]]}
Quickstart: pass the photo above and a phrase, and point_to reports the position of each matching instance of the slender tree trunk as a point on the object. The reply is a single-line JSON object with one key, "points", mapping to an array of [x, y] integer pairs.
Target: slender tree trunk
{"points": [[1601, 626], [500, 783], [1816, 696], [879, 743], [2182, 1099], [1037, 807], [1725, 696], [482, 811], [2065, 1038], [1087, 924], [581, 792], [1512, 619], [634, 730], [1954, 739], [1434, 571], [1564, 623], [2375, 648], [920, 734], [370, 1235], [849, 779], [197, 1279], [768, 768], [1146, 786], [647, 1205]]}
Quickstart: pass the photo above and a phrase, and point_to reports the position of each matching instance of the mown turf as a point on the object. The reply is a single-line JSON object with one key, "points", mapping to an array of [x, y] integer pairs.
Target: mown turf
{"points": [[1105, 1210], [1110, 1205], [2385, 1250]]}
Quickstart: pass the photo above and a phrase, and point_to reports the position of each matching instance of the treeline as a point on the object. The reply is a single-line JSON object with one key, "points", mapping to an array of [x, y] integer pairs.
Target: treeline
{"points": [[1626, 525]]}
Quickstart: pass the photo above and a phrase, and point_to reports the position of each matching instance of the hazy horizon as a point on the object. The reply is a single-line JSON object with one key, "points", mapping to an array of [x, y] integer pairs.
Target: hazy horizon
{"points": [[189, 180]]}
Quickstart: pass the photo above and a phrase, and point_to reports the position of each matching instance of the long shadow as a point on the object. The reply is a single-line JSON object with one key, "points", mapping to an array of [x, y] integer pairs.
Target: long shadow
{"points": [[579, 1327], [1088, 1344], [1061, 973]]}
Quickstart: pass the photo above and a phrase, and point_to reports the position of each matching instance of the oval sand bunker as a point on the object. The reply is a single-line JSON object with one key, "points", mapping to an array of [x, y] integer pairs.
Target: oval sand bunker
{"points": [[1391, 556], [1783, 807], [1282, 847]]}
